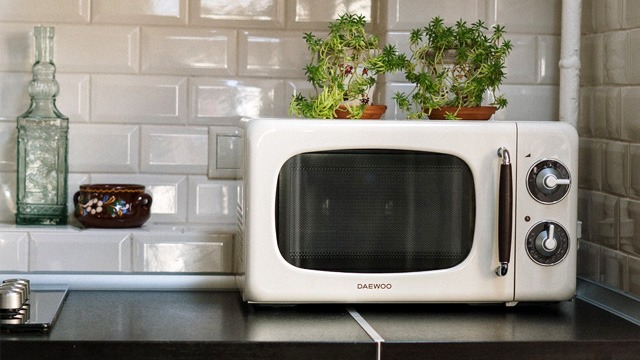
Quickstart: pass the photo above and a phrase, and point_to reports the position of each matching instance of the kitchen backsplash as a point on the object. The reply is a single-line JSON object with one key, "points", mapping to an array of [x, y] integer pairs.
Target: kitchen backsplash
{"points": [[154, 89], [609, 200]]}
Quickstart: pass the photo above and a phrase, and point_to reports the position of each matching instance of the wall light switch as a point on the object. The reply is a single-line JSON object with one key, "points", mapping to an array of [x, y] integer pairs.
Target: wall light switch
{"points": [[225, 152]]}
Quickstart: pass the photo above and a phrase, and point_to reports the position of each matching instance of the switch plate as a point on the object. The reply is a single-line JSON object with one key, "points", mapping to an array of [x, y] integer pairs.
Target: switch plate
{"points": [[225, 152]]}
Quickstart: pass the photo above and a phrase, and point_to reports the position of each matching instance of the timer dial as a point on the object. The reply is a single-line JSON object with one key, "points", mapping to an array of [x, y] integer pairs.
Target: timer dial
{"points": [[548, 181], [547, 243]]}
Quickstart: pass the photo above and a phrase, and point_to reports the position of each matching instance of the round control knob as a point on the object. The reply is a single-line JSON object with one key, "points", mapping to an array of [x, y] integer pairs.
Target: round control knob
{"points": [[547, 243], [548, 181]]}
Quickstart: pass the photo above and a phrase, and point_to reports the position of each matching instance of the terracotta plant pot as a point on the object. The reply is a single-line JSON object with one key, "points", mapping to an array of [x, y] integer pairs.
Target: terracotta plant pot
{"points": [[465, 113], [370, 112], [112, 205]]}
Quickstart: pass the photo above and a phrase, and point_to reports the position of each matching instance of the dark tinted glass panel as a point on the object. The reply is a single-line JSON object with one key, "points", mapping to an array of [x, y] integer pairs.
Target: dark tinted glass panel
{"points": [[375, 211]]}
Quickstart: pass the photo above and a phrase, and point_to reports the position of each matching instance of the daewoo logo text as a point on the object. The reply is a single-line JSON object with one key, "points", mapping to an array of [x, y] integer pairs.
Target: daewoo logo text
{"points": [[376, 286]]}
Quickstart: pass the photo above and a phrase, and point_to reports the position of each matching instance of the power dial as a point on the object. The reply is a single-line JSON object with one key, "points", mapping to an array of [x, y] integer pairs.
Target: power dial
{"points": [[547, 243], [548, 181]]}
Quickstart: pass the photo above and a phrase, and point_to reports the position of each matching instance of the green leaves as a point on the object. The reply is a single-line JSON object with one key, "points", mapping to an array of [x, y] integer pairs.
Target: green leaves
{"points": [[343, 67], [478, 66]]}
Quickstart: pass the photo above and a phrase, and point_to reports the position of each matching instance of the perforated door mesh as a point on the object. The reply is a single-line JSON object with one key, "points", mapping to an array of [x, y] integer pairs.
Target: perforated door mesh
{"points": [[375, 211]]}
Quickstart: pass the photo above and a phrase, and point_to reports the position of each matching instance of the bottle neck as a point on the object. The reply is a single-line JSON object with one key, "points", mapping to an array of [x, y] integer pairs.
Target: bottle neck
{"points": [[44, 43], [43, 86]]}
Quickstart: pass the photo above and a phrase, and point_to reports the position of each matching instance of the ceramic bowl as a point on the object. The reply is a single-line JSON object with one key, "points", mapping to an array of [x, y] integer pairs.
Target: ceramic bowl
{"points": [[112, 205]]}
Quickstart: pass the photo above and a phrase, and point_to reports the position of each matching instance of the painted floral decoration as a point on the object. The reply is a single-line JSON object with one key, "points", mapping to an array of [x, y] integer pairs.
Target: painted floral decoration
{"points": [[107, 204]]}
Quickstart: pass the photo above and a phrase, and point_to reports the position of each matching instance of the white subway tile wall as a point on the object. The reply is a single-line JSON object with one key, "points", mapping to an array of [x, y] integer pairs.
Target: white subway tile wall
{"points": [[610, 144], [154, 90]]}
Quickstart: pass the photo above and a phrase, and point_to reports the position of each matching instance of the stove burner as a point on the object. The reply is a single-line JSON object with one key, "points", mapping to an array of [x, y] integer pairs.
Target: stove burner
{"points": [[23, 308]]}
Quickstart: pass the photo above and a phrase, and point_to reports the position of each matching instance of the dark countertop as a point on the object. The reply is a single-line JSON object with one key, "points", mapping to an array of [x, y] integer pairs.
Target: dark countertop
{"points": [[217, 325]]}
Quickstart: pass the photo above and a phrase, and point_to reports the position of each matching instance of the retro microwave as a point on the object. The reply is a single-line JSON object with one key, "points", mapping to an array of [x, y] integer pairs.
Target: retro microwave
{"points": [[389, 211]]}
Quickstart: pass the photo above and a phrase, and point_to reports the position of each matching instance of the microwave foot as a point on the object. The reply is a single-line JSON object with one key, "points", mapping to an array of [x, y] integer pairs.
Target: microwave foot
{"points": [[511, 303]]}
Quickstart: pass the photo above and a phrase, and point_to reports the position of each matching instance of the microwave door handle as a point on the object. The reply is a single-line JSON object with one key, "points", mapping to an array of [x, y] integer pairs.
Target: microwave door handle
{"points": [[505, 213]]}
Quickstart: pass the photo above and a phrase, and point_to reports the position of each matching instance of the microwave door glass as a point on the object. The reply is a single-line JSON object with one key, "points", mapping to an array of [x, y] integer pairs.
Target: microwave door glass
{"points": [[375, 211]]}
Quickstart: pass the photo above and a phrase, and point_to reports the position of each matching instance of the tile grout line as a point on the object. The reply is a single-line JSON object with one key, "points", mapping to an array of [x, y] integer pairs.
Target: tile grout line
{"points": [[373, 334]]}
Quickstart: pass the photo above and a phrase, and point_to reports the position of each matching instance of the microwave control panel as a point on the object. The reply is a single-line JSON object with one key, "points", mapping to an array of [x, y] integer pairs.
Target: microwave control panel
{"points": [[548, 182]]}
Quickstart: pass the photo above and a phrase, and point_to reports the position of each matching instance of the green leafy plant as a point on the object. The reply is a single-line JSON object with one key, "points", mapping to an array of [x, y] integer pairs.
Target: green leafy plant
{"points": [[343, 69], [453, 66]]}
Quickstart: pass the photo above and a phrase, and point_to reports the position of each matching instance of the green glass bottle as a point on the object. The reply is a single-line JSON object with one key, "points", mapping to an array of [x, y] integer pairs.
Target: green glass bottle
{"points": [[42, 144]]}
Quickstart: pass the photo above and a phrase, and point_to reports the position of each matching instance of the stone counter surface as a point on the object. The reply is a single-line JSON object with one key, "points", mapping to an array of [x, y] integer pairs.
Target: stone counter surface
{"points": [[218, 325]]}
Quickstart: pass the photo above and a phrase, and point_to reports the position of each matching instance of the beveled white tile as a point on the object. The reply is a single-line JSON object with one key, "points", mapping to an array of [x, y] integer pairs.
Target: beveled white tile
{"points": [[522, 62], [74, 97], [633, 277], [225, 152], [613, 268], [310, 14], [535, 102], [587, 20], [590, 163], [20, 56], [139, 99], [72, 101], [169, 193], [14, 251], [188, 51], [212, 201], [88, 250], [604, 215], [548, 57], [215, 100], [174, 150], [274, 54], [103, 148], [616, 57], [634, 179], [631, 13], [589, 260], [294, 87], [594, 65], [634, 44], [14, 95], [75, 49], [157, 12], [630, 108], [534, 17], [258, 13], [629, 226], [195, 253], [8, 196], [67, 11], [410, 14], [609, 15], [8, 146], [615, 171], [586, 111]]}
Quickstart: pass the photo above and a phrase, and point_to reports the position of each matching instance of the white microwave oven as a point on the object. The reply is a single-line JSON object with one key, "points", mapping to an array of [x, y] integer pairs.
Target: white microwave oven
{"points": [[387, 211]]}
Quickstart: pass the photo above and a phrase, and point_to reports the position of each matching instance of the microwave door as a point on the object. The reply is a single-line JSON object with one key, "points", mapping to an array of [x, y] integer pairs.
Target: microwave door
{"points": [[375, 211]]}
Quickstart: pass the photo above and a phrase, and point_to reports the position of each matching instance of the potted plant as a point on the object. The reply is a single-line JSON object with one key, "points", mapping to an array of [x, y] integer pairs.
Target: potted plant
{"points": [[343, 71], [452, 68]]}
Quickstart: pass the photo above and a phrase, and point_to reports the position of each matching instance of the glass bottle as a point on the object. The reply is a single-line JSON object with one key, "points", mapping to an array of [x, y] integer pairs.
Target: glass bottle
{"points": [[42, 144]]}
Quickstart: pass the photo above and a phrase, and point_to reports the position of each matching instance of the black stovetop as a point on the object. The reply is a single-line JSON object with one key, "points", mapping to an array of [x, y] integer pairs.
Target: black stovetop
{"points": [[38, 312]]}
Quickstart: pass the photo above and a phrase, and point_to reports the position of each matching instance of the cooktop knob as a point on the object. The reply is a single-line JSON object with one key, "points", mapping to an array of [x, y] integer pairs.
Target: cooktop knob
{"points": [[10, 299], [548, 181], [547, 243]]}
